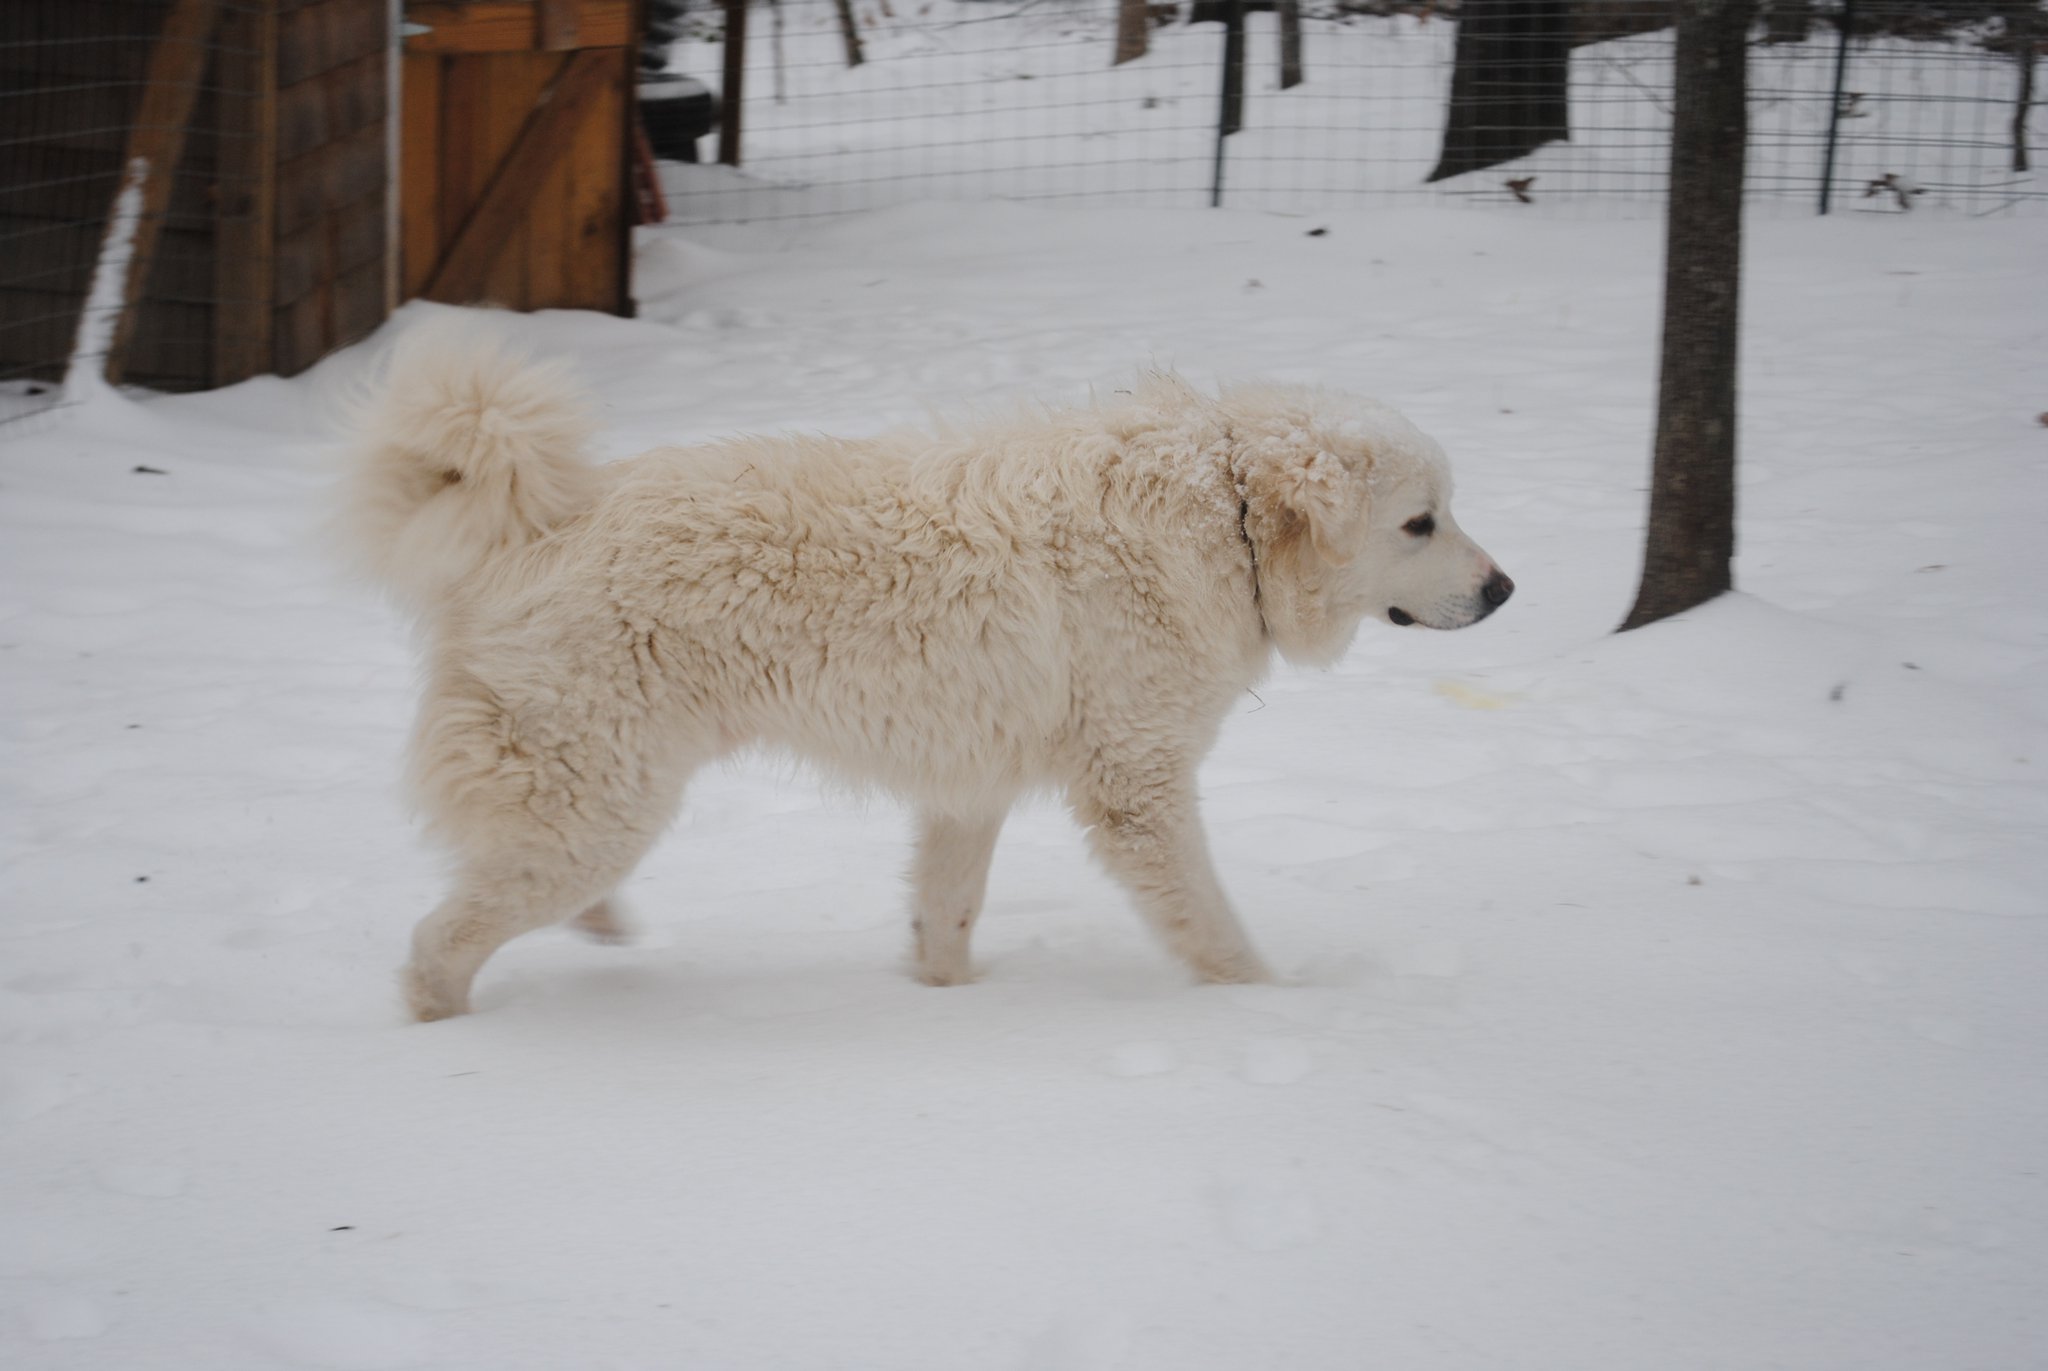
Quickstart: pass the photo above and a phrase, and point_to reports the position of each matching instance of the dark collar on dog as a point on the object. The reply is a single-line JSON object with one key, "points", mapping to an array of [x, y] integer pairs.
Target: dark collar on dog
{"points": [[1244, 510], [1244, 521], [1244, 524]]}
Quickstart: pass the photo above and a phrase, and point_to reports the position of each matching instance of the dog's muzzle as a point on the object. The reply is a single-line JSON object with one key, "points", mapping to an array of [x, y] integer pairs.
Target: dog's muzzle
{"points": [[1493, 593]]}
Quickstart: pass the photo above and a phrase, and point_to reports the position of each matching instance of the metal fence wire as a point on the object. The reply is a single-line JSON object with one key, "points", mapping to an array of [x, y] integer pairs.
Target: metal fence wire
{"points": [[1300, 105], [86, 89], [1875, 106]]}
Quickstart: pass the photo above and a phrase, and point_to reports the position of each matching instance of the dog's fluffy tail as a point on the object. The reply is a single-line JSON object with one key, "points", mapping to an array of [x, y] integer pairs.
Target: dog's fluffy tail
{"points": [[470, 450]]}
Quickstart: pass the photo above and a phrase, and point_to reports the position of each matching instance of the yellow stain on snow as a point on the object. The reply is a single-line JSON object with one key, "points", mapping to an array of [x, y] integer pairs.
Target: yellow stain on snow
{"points": [[1471, 697]]}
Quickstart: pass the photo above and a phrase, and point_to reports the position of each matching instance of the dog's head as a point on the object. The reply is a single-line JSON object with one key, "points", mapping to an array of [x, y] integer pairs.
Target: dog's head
{"points": [[1348, 510]]}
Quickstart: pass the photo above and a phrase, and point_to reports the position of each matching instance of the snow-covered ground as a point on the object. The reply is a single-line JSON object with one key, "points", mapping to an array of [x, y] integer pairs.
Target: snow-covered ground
{"points": [[1672, 1000]]}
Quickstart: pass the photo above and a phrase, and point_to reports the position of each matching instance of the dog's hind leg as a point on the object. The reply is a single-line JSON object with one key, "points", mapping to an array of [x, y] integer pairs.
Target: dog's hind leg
{"points": [[601, 924], [1143, 824], [494, 901], [949, 880], [539, 843]]}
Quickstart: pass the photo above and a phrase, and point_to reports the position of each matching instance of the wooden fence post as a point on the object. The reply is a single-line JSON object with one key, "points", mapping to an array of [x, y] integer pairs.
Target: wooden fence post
{"points": [[157, 140], [735, 82]]}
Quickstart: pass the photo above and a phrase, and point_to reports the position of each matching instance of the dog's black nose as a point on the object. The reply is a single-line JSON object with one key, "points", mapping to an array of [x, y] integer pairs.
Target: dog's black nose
{"points": [[1497, 588]]}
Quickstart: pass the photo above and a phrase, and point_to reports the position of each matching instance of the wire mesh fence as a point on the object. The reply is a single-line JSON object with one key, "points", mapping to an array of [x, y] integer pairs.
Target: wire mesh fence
{"points": [[855, 104], [191, 191], [127, 142]]}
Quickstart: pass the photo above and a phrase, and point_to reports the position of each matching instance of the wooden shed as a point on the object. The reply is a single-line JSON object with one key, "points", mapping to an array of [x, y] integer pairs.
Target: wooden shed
{"points": [[517, 153], [283, 196]]}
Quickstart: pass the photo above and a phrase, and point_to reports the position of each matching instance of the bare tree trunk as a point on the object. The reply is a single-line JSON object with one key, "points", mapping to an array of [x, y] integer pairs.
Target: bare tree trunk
{"points": [[1133, 27], [2022, 30], [1290, 43], [1509, 83], [733, 97], [1690, 549], [850, 31], [1230, 116]]}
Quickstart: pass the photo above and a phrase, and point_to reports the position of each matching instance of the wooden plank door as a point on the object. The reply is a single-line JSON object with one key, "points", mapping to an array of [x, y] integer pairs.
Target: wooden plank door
{"points": [[515, 154]]}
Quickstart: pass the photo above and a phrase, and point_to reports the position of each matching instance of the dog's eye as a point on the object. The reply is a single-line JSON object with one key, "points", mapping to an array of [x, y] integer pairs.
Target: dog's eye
{"points": [[1422, 525]]}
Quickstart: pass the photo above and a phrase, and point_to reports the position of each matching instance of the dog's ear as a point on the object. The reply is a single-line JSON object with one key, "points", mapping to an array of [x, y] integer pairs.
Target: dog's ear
{"points": [[1298, 492]]}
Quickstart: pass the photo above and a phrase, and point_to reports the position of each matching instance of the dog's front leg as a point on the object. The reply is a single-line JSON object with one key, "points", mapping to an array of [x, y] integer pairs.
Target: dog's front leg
{"points": [[949, 880], [1145, 827]]}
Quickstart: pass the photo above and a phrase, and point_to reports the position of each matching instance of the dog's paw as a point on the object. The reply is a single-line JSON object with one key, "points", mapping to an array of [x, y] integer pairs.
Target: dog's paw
{"points": [[428, 1001], [601, 924], [944, 975], [1240, 970]]}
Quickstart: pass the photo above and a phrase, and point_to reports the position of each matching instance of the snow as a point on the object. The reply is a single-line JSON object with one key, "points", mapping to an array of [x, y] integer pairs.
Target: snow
{"points": [[84, 375], [1662, 1000]]}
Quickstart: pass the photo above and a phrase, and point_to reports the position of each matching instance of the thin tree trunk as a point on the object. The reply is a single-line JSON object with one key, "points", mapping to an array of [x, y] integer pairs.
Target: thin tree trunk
{"points": [[850, 31], [2020, 31], [1290, 43], [1133, 28], [732, 99], [1230, 117], [1690, 549]]}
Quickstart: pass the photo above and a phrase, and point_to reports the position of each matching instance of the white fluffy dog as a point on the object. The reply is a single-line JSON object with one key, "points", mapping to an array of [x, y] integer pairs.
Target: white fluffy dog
{"points": [[1067, 600]]}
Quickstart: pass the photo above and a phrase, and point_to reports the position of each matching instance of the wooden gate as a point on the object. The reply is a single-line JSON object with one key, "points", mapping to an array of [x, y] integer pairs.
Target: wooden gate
{"points": [[515, 161]]}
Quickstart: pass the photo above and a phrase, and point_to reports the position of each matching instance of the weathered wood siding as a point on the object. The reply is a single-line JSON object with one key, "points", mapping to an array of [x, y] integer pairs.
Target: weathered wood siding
{"points": [[333, 175]]}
